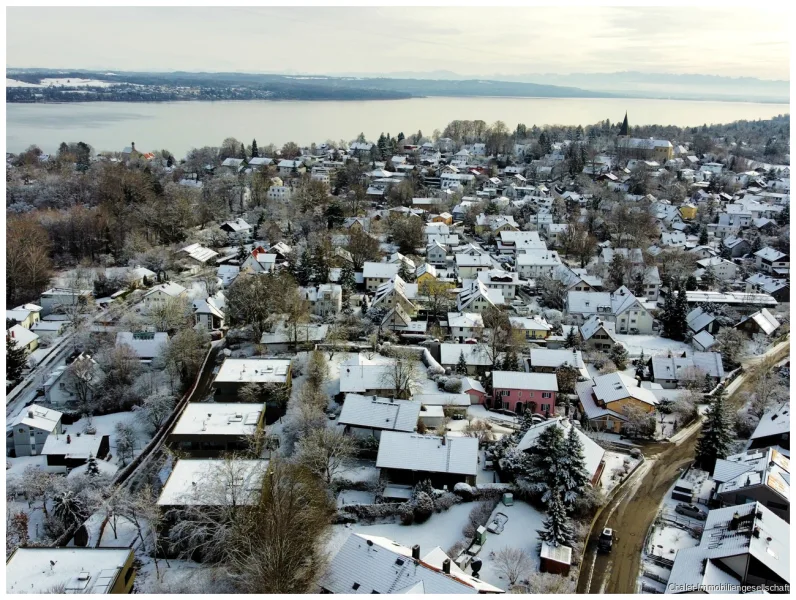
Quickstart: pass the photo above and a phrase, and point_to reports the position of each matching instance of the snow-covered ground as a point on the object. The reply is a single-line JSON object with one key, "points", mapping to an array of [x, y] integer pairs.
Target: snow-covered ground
{"points": [[521, 531], [617, 468], [360, 470], [348, 497], [651, 345], [106, 425], [442, 529]]}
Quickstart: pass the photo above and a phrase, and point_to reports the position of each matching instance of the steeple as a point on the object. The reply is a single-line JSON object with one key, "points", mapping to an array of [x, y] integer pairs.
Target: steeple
{"points": [[624, 131]]}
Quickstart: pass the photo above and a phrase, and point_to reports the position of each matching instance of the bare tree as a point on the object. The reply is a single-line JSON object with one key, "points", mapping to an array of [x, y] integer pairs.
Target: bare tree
{"points": [[169, 315], [513, 564], [550, 583], [402, 375], [155, 410], [325, 452]]}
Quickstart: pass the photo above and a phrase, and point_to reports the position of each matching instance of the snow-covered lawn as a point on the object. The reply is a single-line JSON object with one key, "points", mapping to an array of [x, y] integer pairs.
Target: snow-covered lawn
{"points": [[348, 497], [651, 345], [175, 576], [106, 425], [16, 466], [521, 531], [360, 470], [616, 460], [442, 529]]}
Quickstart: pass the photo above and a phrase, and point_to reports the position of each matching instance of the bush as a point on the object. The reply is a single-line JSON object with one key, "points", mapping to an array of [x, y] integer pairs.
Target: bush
{"points": [[464, 490], [479, 515], [453, 385], [424, 507], [407, 514], [445, 501]]}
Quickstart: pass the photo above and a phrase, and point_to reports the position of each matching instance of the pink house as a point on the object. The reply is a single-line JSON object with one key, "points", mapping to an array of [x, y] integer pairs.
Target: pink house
{"points": [[525, 391], [474, 389]]}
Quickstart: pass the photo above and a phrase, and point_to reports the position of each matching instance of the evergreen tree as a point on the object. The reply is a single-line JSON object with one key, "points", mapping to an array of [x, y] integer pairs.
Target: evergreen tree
{"points": [[346, 308], [617, 270], [714, 443], [640, 365], [618, 355], [510, 361], [243, 253], [16, 359], [242, 152], [320, 266], [347, 279], [783, 218], [255, 151], [557, 526], [403, 272], [691, 283], [546, 472], [725, 252], [572, 341], [680, 315], [709, 277], [757, 244], [668, 314], [703, 236], [638, 285], [575, 462], [92, 469], [461, 366], [303, 270]]}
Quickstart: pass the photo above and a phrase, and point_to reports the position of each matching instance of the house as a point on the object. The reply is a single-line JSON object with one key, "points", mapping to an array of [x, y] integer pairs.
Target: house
{"points": [[208, 313], [476, 357], [361, 376], [408, 458], [57, 299], [209, 429], [670, 371], [537, 263], [475, 297], [698, 319], [67, 451], [227, 274], [498, 279], [731, 298], [206, 482], [765, 284], [474, 389], [743, 545], [737, 246], [518, 392], [773, 428], [233, 165], [436, 253], [147, 345], [237, 372], [284, 337], [369, 416], [26, 315], [771, 261], [620, 307], [367, 564], [703, 341], [70, 570], [544, 360], [259, 261], [425, 272], [237, 230], [757, 475], [468, 265], [200, 254], [68, 385], [658, 150], [376, 274], [598, 334], [162, 294], [761, 322], [31, 427], [258, 162], [396, 292], [531, 328], [48, 330], [724, 270], [604, 400], [593, 454], [23, 338], [289, 167], [465, 325]]}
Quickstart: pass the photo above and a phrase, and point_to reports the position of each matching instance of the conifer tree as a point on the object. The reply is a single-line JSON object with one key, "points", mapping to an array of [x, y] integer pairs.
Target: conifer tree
{"points": [[510, 361], [16, 358], [255, 151], [572, 341], [680, 315], [403, 272], [546, 469], [242, 152], [557, 526], [347, 279], [92, 469], [714, 443], [703, 236], [577, 477], [618, 355], [461, 366]]}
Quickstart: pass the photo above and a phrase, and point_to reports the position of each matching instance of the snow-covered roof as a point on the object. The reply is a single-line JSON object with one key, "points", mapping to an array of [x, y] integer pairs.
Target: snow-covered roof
{"points": [[199, 252], [730, 532], [213, 482], [592, 452], [464, 319], [38, 417], [468, 383], [253, 370], [79, 570], [428, 453], [236, 226], [766, 283], [674, 368], [593, 325], [775, 421], [474, 354], [589, 303], [146, 344], [698, 319], [765, 320], [770, 254], [210, 418], [704, 339], [374, 270], [616, 386], [546, 382], [22, 336], [546, 358], [170, 289], [442, 399], [379, 413], [79, 446], [535, 323], [753, 468], [376, 565]]}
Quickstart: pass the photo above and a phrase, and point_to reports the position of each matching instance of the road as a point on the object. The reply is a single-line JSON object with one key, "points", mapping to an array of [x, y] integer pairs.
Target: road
{"points": [[635, 505]]}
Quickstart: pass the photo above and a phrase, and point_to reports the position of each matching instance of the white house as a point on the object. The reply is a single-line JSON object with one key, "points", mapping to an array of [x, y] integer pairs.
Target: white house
{"points": [[259, 261], [465, 325], [376, 274], [620, 307], [537, 263], [159, 295]]}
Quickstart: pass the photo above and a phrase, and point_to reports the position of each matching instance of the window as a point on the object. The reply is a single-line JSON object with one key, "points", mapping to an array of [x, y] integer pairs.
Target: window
{"points": [[545, 407], [547, 395]]}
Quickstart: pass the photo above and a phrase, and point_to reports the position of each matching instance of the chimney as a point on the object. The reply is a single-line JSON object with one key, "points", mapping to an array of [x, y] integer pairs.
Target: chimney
{"points": [[416, 551], [68, 439], [13, 334], [132, 145], [446, 566], [30, 414], [443, 439], [736, 518]]}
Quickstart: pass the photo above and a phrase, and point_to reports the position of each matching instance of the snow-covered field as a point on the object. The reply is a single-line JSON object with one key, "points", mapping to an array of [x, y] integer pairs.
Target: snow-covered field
{"points": [[652, 345]]}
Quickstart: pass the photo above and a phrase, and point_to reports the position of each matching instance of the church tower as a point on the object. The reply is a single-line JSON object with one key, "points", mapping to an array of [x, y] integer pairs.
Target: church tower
{"points": [[624, 131]]}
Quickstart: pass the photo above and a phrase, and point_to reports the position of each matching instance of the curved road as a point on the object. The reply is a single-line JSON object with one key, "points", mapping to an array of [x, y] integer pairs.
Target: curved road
{"points": [[635, 505]]}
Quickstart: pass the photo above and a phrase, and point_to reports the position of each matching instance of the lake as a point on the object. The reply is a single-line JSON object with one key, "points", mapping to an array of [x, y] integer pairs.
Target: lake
{"points": [[180, 126]]}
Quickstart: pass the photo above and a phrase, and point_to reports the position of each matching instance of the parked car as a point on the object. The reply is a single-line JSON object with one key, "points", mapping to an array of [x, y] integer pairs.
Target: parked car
{"points": [[606, 540], [689, 510]]}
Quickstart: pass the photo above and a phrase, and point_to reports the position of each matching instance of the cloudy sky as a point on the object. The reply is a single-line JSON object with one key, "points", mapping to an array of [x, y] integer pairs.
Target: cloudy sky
{"points": [[471, 41]]}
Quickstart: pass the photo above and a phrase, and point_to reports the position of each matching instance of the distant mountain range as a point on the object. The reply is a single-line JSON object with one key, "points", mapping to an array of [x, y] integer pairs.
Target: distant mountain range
{"points": [[635, 84], [391, 86]]}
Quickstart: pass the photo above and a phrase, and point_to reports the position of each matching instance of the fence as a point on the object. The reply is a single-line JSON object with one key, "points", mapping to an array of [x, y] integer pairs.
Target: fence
{"points": [[648, 589], [656, 577], [660, 561]]}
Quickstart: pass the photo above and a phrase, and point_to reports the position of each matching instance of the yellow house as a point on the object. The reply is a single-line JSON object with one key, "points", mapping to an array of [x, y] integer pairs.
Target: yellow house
{"points": [[531, 328], [688, 212], [445, 217], [24, 338], [606, 400], [425, 272], [70, 570]]}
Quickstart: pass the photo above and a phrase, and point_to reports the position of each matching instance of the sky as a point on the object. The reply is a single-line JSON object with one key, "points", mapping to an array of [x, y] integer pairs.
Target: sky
{"points": [[730, 41]]}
